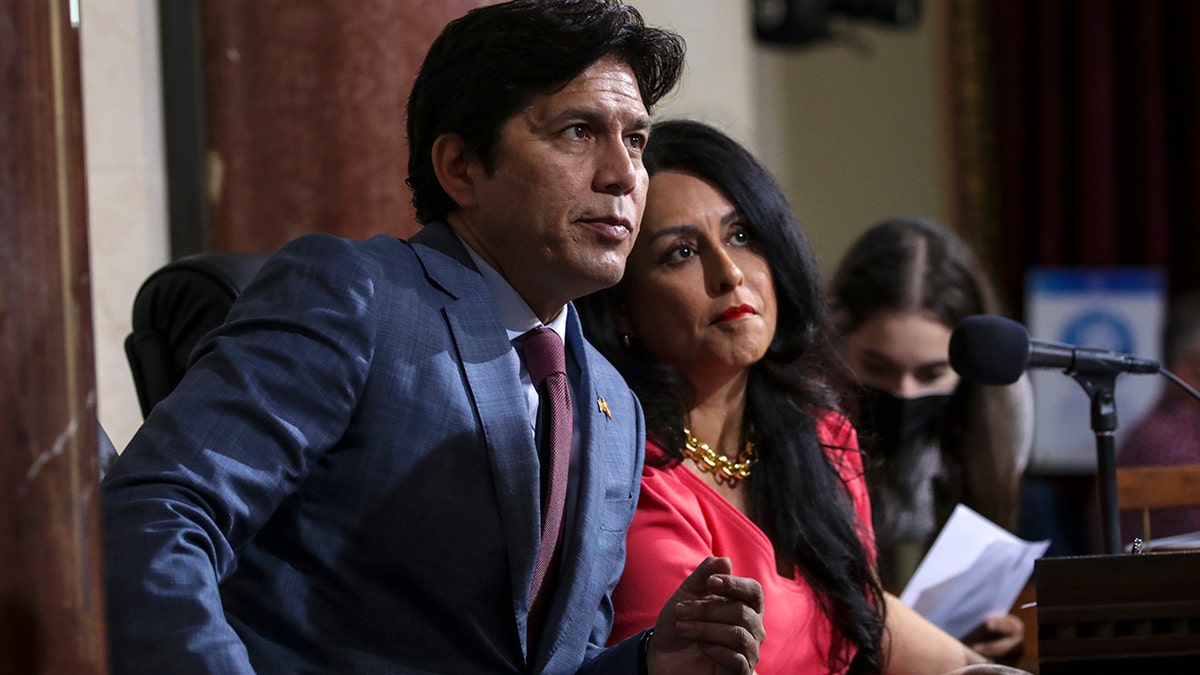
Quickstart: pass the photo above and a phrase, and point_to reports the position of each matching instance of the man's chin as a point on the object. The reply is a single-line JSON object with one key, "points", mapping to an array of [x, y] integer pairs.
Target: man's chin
{"points": [[596, 279], [608, 273]]}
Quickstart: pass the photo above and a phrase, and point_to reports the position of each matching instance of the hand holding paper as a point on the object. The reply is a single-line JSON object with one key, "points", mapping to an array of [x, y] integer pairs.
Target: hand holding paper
{"points": [[975, 569]]}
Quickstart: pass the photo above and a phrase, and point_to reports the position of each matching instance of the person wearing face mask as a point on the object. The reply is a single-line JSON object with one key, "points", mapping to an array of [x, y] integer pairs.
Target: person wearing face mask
{"points": [[934, 439]]}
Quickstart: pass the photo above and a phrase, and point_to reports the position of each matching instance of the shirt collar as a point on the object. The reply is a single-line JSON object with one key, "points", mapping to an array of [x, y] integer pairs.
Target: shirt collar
{"points": [[515, 313]]}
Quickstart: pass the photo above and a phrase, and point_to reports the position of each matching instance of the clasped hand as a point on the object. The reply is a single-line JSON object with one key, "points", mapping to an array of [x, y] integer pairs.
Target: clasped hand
{"points": [[711, 625]]}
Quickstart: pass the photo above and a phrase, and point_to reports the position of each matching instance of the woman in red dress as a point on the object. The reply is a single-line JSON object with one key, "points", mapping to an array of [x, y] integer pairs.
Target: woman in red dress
{"points": [[720, 327]]}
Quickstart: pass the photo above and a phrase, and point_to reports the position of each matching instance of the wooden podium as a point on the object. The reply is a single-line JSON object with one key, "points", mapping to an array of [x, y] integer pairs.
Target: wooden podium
{"points": [[1119, 614]]}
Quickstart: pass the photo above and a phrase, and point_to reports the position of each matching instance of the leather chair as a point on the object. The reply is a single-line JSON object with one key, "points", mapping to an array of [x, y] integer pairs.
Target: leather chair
{"points": [[174, 308]]}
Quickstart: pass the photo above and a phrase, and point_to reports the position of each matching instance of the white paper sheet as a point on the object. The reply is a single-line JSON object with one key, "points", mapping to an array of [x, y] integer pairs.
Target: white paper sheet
{"points": [[974, 569]]}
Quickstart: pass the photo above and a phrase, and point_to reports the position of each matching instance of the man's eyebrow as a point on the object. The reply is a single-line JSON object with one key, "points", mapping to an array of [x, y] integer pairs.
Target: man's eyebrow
{"points": [[597, 118]]}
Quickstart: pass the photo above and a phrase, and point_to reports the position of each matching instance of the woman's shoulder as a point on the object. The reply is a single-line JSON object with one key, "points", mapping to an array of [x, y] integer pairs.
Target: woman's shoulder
{"points": [[839, 439], [834, 430], [664, 474], [656, 457]]}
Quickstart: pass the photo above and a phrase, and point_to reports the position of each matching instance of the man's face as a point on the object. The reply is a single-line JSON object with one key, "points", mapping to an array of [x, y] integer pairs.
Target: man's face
{"points": [[558, 215]]}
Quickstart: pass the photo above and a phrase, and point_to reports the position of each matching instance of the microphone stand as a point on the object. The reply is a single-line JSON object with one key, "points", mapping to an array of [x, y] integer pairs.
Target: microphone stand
{"points": [[1101, 389], [1098, 377]]}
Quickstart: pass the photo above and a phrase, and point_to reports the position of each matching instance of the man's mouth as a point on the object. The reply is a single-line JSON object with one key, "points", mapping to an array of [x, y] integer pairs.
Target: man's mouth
{"points": [[611, 228]]}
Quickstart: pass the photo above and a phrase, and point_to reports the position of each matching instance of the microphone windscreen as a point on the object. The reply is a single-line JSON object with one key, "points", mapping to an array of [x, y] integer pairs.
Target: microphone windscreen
{"points": [[989, 349]]}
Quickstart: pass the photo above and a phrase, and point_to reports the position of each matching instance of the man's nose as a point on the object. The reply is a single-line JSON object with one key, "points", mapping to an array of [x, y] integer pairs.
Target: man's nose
{"points": [[618, 171]]}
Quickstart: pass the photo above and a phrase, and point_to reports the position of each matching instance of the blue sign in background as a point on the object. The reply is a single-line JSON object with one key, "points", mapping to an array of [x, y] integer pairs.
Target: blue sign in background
{"points": [[1118, 309], [1077, 280]]}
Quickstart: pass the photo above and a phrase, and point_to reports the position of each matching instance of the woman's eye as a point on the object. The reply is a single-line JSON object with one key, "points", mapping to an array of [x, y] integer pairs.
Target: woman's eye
{"points": [[740, 235], [679, 254], [931, 375]]}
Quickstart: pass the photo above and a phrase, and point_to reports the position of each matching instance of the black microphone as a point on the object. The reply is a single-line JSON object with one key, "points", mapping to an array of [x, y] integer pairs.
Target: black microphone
{"points": [[990, 349]]}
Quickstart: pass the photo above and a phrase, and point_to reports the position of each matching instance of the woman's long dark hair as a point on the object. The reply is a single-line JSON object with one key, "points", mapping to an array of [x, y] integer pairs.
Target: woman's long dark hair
{"points": [[796, 494], [914, 265]]}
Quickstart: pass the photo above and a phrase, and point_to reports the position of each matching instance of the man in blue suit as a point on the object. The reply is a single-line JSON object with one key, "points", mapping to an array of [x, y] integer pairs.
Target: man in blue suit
{"points": [[348, 478]]}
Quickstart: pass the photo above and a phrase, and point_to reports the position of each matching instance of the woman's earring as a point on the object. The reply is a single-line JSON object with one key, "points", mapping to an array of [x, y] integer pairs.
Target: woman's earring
{"points": [[625, 340]]}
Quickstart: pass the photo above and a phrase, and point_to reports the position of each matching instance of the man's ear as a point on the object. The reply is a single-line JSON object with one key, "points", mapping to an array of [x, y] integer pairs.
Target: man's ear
{"points": [[452, 165]]}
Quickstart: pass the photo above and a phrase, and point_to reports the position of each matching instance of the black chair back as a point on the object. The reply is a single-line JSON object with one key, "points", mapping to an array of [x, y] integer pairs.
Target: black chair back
{"points": [[174, 308]]}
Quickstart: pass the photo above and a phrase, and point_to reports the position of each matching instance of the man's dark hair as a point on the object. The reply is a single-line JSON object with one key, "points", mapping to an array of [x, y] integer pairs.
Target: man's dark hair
{"points": [[492, 62]]}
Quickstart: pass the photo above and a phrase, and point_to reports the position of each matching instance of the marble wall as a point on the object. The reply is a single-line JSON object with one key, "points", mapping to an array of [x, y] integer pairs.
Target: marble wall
{"points": [[126, 185]]}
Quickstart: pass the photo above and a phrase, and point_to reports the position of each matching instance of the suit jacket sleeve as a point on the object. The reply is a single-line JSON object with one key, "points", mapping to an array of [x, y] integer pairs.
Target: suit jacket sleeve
{"points": [[265, 396], [620, 658]]}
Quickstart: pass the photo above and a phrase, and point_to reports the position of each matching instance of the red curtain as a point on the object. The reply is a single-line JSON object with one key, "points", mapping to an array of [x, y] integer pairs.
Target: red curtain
{"points": [[1098, 136]]}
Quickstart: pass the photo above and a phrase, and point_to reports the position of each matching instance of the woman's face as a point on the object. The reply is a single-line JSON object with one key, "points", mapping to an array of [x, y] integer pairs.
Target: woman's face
{"points": [[903, 352], [698, 294]]}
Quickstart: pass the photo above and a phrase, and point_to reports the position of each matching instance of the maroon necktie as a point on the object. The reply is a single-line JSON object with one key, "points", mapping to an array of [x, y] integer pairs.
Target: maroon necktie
{"points": [[542, 351]]}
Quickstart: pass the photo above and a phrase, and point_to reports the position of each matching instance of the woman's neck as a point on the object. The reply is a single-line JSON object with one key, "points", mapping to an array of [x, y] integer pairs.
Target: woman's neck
{"points": [[719, 413], [718, 419]]}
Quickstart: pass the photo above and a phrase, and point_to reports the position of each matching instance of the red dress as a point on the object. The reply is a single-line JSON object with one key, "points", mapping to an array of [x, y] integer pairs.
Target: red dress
{"points": [[681, 520]]}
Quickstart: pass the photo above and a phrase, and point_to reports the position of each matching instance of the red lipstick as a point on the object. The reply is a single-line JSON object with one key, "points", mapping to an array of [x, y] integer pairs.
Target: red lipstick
{"points": [[735, 312]]}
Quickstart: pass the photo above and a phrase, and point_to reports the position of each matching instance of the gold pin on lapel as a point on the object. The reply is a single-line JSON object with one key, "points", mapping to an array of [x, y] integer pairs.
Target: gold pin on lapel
{"points": [[603, 406]]}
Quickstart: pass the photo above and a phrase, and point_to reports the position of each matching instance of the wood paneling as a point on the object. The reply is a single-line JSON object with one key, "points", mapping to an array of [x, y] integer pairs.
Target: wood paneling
{"points": [[973, 155], [306, 104], [51, 609]]}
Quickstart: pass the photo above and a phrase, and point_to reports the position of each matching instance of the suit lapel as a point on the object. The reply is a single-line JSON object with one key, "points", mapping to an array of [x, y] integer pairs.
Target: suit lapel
{"points": [[493, 382], [439, 250], [579, 560]]}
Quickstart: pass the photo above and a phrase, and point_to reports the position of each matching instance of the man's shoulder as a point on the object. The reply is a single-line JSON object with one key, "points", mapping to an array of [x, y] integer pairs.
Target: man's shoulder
{"points": [[324, 247], [381, 258]]}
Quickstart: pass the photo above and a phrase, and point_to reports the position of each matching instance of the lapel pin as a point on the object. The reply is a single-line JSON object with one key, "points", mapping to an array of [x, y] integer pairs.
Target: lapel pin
{"points": [[603, 407]]}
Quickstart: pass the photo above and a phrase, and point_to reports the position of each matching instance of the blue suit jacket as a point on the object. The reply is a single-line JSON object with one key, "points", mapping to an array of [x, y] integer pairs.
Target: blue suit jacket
{"points": [[346, 481]]}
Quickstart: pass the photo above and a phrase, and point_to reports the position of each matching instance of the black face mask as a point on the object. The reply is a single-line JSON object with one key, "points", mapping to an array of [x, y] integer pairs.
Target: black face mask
{"points": [[895, 421]]}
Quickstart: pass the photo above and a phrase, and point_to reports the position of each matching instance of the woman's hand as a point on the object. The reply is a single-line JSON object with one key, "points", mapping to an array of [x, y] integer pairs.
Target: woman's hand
{"points": [[711, 625], [1000, 638]]}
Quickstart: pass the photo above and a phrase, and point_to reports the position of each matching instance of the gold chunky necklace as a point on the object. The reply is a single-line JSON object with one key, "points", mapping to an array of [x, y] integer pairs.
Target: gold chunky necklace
{"points": [[725, 470]]}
